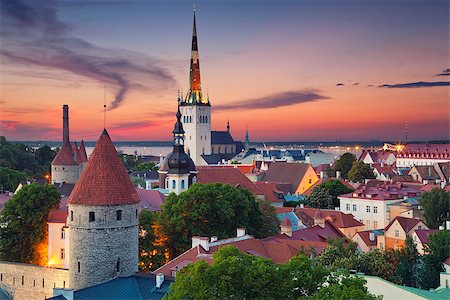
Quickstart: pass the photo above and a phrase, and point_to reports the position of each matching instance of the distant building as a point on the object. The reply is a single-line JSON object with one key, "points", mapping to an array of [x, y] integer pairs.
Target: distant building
{"points": [[423, 155], [378, 157], [396, 232]]}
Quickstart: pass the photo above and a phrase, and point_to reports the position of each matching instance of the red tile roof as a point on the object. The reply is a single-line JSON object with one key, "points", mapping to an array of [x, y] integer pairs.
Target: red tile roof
{"points": [[406, 223], [83, 152], [321, 167], [271, 191], [150, 199], [284, 172], [365, 236], [77, 153], [385, 169], [104, 180], [231, 176], [286, 222], [279, 250], [58, 215], [315, 233], [65, 156], [429, 187], [383, 191], [283, 210], [3, 199], [424, 234], [338, 218]]}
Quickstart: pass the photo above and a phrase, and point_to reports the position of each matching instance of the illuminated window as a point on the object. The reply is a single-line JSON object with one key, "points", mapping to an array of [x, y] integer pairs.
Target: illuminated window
{"points": [[375, 224]]}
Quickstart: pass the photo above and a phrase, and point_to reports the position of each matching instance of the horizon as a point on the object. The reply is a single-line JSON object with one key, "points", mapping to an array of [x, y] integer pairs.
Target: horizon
{"points": [[301, 71]]}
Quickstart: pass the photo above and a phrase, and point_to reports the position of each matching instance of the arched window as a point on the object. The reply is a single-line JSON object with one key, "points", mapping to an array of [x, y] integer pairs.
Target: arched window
{"points": [[118, 265], [174, 184], [167, 183], [190, 119], [182, 184], [206, 119]]}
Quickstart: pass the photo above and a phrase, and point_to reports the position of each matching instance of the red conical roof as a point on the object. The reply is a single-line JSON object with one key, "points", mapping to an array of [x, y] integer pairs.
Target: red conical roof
{"points": [[77, 153], [65, 156], [104, 180], [83, 152]]}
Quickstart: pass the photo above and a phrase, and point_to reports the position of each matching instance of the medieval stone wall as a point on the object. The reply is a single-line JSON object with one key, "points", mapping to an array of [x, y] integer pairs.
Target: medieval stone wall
{"points": [[67, 174], [26, 281], [103, 249]]}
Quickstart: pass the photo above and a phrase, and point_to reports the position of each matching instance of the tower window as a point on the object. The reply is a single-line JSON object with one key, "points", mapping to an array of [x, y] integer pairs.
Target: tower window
{"points": [[119, 215], [174, 184], [79, 267], [63, 234], [118, 265], [71, 215], [182, 184], [91, 216], [62, 253]]}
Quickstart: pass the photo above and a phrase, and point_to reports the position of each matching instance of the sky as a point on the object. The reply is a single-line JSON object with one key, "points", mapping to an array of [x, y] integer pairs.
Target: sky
{"points": [[287, 70]]}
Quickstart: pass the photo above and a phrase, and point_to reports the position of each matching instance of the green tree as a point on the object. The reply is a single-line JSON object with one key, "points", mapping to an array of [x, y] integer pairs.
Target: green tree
{"points": [[44, 156], [236, 275], [148, 166], [10, 178], [338, 254], [270, 221], [151, 248], [408, 263], [334, 187], [320, 197], [438, 251], [436, 206], [138, 181], [210, 210], [360, 171], [25, 223], [344, 164]]}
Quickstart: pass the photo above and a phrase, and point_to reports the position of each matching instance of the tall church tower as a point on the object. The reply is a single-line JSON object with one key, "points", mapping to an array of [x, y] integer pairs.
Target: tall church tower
{"points": [[196, 110]]}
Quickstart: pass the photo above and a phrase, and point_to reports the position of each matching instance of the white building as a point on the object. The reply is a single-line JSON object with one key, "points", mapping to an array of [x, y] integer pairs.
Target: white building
{"points": [[423, 155]]}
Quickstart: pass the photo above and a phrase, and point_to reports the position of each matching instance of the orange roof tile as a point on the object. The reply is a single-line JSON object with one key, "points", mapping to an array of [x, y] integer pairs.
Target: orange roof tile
{"points": [[65, 156], [83, 152], [338, 218], [104, 180]]}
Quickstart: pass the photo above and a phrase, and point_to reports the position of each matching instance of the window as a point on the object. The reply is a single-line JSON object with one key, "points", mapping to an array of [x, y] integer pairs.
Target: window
{"points": [[22, 279], [368, 208], [397, 233], [43, 282], [354, 207], [375, 209], [71, 215], [381, 246], [174, 184], [420, 226], [63, 234], [167, 183], [375, 224], [119, 215], [194, 179], [79, 267], [310, 181], [118, 265], [347, 207], [63, 169], [368, 223], [182, 184], [91, 216], [62, 253]]}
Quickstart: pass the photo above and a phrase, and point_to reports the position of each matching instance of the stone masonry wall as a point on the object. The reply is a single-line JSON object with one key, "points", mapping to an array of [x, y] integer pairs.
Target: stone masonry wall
{"points": [[98, 245], [26, 281], [67, 174]]}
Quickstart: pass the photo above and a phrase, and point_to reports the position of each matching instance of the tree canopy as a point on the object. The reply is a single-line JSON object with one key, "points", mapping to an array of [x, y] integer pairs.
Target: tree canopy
{"points": [[25, 223], [236, 275], [360, 171], [9, 178], [212, 210], [436, 205], [326, 194], [151, 248], [344, 164]]}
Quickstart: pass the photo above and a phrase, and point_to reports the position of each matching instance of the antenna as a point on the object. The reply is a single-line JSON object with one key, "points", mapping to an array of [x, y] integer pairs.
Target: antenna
{"points": [[104, 107], [193, 7], [406, 132]]}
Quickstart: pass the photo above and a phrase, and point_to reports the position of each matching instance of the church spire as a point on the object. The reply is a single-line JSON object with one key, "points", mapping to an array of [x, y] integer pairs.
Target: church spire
{"points": [[195, 95], [247, 141], [228, 125]]}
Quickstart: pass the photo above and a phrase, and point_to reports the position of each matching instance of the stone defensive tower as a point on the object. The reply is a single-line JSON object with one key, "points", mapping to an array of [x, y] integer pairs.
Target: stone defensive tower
{"points": [[102, 220]]}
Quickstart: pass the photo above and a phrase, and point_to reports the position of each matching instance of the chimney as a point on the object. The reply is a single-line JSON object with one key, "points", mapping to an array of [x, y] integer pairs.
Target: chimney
{"points": [[302, 205], [338, 174], [161, 159], [286, 227], [372, 236], [214, 239], [159, 280], [65, 123], [240, 232], [202, 241]]}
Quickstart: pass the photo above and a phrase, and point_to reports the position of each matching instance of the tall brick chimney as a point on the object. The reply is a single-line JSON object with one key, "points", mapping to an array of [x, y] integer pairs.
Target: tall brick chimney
{"points": [[65, 122]]}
